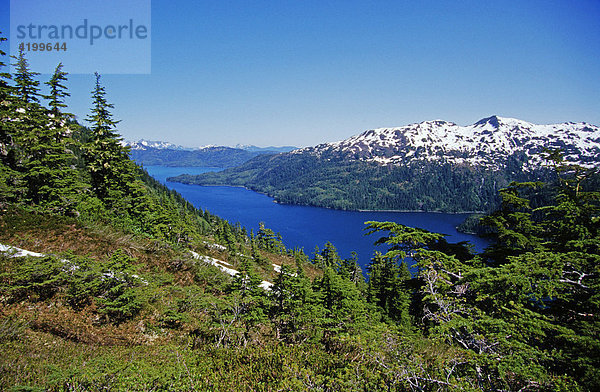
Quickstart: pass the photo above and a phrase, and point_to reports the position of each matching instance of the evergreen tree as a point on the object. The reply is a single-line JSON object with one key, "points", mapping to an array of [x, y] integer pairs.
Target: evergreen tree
{"points": [[526, 310], [388, 288], [52, 179], [267, 239], [42, 158], [512, 225], [26, 86], [349, 269], [252, 297], [330, 257], [294, 307], [344, 306], [113, 174], [58, 93], [11, 183], [28, 116]]}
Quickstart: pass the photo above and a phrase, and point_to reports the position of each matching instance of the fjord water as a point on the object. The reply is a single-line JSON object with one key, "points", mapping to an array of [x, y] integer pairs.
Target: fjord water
{"points": [[304, 226]]}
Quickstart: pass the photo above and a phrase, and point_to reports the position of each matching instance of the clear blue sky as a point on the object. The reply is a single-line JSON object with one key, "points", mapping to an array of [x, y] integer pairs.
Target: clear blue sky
{"points": [[306, 72]]}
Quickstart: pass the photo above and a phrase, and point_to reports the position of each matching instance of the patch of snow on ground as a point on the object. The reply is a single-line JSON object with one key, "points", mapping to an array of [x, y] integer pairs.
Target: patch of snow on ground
{"points": [[266, 285]]}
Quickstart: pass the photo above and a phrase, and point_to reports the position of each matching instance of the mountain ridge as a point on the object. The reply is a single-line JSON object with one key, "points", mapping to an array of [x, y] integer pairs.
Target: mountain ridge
{"points": [[428, 166], [496, 137], [159, 153], [144, 144]]}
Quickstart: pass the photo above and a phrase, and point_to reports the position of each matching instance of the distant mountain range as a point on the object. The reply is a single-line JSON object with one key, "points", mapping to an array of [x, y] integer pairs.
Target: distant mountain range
{"points": [[270, 149], [149, 153], [142, 145], [432, 165]]}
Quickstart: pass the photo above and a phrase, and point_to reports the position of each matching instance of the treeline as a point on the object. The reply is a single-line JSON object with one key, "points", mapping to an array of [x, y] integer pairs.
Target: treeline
{"points": [[301, 178]]}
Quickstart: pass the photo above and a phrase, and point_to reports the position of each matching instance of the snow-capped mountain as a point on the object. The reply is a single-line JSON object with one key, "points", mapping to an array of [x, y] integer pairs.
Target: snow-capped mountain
{"points": [[153, 144], [487, 143], [269, 149], [143, 145]]}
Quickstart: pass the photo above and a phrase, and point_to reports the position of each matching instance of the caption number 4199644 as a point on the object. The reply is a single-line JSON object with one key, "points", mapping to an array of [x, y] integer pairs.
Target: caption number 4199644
{"points": [[42, 46]]}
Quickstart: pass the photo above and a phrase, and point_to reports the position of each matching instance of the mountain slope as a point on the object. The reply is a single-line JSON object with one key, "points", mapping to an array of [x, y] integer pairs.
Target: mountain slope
{"points": [[269, 149], [431, 166], [213, 156], [147, 152], [153, 144], [487, 143]]}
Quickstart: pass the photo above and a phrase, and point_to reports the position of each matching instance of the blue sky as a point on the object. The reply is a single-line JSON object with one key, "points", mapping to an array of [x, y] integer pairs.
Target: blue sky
{"points": [[306, 72]]}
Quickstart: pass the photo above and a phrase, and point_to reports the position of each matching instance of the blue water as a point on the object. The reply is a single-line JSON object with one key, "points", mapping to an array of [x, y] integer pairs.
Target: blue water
{"points": [[303, 226]]}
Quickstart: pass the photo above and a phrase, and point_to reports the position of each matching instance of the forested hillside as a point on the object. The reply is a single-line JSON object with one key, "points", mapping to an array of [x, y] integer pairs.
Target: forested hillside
{"points": [[428, 166], [109, 281], [216, 156], [354, 185]]}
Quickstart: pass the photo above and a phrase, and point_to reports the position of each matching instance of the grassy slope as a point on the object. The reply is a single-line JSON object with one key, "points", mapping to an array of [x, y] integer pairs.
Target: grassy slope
{"points": [[49, 345]]}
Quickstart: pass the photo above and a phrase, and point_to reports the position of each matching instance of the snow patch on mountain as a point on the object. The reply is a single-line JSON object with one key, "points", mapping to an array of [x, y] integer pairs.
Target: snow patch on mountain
{"points": [[487, 143], [144, 145], [152, 144]]}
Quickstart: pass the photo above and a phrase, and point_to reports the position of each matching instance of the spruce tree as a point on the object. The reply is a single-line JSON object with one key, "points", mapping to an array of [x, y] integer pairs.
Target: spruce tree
{"points": [[252, 297], [113, 177], [41, 138], [524, 312], [330, 257], [294, 308], [349, 269], [11, 184], [58, 92], [28, 116], [30, 134], [26, 85], [388, 288], [53, 181], [344, 306]]}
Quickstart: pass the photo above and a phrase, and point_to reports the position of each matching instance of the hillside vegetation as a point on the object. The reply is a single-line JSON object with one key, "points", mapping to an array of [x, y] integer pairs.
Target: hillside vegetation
{"points": [[358, 185], [205, 157], [427, 166], [127, 290]]}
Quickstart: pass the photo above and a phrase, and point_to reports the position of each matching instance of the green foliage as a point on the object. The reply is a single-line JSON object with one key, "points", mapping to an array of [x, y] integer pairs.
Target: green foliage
{"points": [[344, 306], [349, 269], [113, 287], [55, 165], [523, 312], [11, 329], [27, 88], [268, 240], [521, 316], [249, 300], [112, 174], [116, 290], [295, 307], [329, 181], [205, 157], [11, 187], [388, 288], [58, 92], [329, 257], [35, 279]]}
